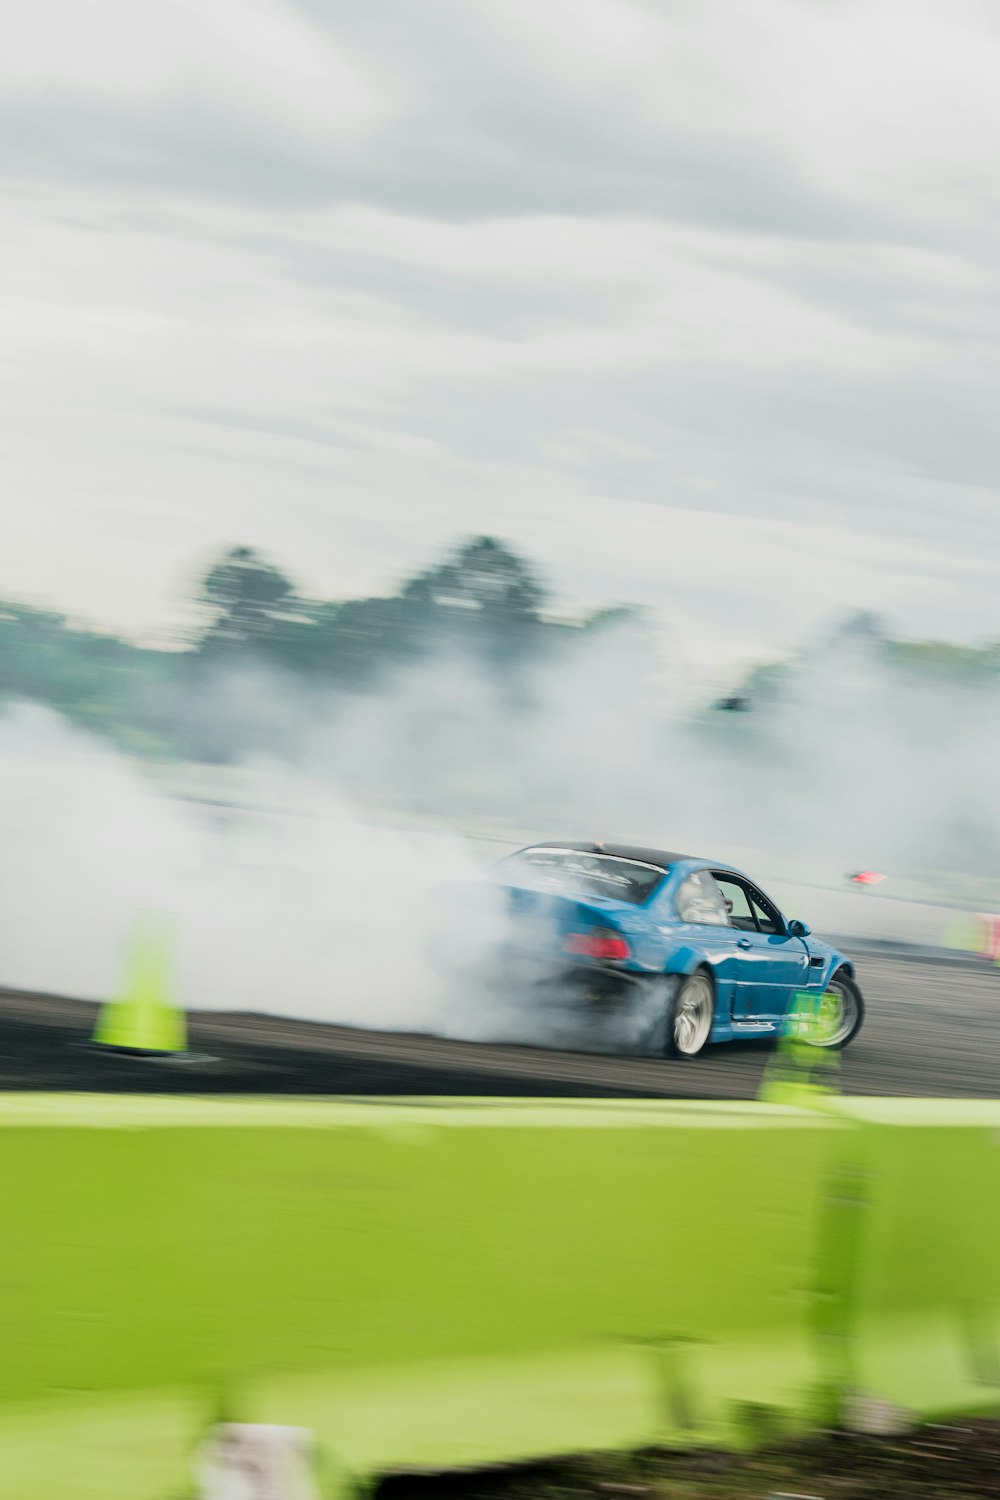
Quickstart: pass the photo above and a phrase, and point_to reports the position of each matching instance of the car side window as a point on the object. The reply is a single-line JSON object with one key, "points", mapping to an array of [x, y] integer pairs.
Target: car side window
{"points": [[737, 904], [700, 900], [749, 909]]}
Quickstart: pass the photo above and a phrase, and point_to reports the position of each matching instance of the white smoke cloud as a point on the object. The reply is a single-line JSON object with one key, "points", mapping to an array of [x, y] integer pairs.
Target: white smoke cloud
{"points": [[320, 916], [297, 906], [318, 893], [847, 760]]}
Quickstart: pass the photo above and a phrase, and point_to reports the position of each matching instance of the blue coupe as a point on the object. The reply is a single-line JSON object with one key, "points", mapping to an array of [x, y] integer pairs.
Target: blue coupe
{"points": [[691, 946]]}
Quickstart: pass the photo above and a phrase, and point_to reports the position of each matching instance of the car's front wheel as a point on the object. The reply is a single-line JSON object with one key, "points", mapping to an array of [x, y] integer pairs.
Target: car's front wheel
{"points": [[689, 1019], [839, 1016]]}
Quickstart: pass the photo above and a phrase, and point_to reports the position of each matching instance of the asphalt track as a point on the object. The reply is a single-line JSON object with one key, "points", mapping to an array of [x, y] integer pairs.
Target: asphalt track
{"points": [[932, 1027]]}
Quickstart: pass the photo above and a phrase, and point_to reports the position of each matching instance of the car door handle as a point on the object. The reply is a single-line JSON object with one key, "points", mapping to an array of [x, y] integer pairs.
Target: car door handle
{"points": [[743, 943]]}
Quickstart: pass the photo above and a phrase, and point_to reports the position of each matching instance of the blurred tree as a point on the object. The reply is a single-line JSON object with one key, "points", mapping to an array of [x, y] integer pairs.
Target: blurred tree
{"points": [[863, 625], [943, 659], [484, 575], [354, 641], [482, 598], [614, 616], [126, 691], [247, 596]]}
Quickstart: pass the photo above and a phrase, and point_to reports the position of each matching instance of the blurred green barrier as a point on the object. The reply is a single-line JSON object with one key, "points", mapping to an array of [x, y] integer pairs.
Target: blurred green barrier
{"points": [[918, 1219], [424, 1283], [442, 1283]]}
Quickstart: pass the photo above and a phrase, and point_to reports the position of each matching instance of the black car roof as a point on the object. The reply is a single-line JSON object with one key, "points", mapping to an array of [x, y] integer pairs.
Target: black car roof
{"points": [[661, 858]]}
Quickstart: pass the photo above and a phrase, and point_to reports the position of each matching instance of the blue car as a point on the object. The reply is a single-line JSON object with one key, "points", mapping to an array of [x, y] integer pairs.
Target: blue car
{"points": [[692, 947]]}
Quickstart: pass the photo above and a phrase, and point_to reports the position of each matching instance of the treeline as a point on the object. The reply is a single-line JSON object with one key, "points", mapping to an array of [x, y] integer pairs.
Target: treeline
{"points": [[483, 595], [482, 599], [926, 661]]}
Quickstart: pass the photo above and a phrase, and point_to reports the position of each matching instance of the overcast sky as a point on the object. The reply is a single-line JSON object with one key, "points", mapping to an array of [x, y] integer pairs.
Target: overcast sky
{"points": [[696, 301]]}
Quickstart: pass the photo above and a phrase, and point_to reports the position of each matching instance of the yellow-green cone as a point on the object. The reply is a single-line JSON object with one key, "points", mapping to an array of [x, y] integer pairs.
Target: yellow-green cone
{"points": [[144, 1017], [801, 1073], [966, 932]]}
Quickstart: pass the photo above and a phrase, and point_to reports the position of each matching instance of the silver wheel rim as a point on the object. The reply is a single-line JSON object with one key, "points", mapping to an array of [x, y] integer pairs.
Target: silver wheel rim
{"points": [[835, 1019], [693, 1016]]}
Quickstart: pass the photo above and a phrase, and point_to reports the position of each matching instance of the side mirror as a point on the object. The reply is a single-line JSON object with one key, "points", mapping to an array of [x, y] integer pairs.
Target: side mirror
{"points": [[798, 929]]}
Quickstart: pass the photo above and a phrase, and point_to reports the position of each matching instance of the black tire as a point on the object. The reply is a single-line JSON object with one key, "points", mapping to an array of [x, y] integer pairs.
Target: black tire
{"points": [[835, 1033], [690, 1017]]}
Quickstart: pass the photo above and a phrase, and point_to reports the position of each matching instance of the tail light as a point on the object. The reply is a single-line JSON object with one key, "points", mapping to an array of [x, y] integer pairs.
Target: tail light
{"points": [[599, 942]]}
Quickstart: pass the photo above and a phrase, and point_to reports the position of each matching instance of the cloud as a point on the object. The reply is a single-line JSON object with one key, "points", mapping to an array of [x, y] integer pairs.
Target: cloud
{"points": [[146, 81], [822, 121], [699, 303]]}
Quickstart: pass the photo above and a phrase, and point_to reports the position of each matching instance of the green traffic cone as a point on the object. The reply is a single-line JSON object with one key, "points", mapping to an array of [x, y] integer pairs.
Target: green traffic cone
{"points": [[966, 933], [802, 1073], [144, 1017]]}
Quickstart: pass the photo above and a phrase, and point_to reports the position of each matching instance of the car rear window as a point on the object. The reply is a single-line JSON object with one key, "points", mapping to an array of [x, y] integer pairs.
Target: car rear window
{"points": [[579, 874]]}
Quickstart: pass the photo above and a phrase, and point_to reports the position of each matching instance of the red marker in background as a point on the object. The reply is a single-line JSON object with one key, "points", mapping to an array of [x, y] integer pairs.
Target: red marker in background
{"points": [[866, 877]]}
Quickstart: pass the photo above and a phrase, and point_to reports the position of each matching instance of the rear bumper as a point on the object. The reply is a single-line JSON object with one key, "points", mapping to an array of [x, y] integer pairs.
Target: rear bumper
{"points": [[589, 986]]}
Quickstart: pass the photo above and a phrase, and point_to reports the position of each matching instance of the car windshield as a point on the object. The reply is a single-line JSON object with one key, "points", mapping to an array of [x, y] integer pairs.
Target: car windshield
{"points": [[577, 873]]}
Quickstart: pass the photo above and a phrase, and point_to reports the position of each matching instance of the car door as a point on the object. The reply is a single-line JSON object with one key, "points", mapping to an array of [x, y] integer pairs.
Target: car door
{"points": [[772, 963], [700, 906]]}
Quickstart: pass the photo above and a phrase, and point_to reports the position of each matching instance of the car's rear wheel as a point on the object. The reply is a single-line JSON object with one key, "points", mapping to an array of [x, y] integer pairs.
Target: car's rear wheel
{"points": [[840, 1014], [690, 1016]]}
